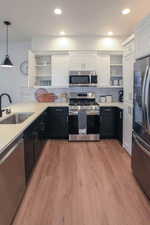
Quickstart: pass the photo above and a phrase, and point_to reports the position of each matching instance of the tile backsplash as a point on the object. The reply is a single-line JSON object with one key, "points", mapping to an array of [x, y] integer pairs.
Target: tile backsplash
{"points": [[27, 94]]}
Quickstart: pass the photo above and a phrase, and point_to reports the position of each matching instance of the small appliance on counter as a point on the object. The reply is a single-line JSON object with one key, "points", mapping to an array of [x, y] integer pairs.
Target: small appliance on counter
{"points": [[82, 78], [120, 82], [84, 115], [116, 82], [102, 99], [109, 98], [121, 96]]}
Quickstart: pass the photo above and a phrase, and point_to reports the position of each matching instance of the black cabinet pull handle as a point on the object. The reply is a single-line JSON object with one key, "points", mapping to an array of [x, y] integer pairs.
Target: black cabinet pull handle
{"points": [[59, 110], [107, 110]]}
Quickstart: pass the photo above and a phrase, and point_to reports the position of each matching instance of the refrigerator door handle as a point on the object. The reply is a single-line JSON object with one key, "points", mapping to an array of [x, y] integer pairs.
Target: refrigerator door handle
{"points": [[143, 96], [139, 142], [147, 101]]}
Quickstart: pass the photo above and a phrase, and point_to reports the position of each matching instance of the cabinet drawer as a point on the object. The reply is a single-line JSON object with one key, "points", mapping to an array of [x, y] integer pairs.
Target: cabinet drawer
{"points": [[107, 110], [57, 110]]}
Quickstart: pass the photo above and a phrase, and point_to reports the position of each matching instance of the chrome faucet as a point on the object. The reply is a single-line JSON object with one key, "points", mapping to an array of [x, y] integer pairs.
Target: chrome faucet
{"points": [[3, 94]]}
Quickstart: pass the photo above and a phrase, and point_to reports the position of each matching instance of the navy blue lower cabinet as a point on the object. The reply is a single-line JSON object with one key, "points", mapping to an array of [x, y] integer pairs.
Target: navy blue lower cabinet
{"points": [[108, 126], [57, 123], [34, 141], [29, 153], [111, 123]]}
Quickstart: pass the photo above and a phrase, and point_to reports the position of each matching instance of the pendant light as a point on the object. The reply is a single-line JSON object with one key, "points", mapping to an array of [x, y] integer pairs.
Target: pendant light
{"points": [[7, 62]]}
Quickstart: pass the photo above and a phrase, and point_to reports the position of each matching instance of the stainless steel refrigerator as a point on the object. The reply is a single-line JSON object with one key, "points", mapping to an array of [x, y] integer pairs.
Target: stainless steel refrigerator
{"points": [[141, 124]]}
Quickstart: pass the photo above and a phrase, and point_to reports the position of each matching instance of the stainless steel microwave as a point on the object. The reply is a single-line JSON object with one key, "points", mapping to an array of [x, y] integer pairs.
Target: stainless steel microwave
{"points": [[82, 78]]}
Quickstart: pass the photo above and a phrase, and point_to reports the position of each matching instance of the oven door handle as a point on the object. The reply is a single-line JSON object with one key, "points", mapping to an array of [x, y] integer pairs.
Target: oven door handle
{"points": [[73, 113], [94, 113]]}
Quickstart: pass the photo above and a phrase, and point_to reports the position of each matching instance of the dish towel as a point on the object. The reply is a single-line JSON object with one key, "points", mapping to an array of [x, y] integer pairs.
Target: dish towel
{"points": [[82, 122]]}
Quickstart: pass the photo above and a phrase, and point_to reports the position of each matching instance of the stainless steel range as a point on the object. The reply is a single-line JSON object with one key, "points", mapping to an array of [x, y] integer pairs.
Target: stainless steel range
{"points": [[83, 117]]}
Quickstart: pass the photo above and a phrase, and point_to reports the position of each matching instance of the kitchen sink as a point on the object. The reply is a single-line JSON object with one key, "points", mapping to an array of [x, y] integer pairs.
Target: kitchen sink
{"points": [[16, 118]]}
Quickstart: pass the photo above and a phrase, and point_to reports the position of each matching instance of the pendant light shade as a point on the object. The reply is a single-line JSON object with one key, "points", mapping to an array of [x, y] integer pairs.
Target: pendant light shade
{"points": [[7, 62]]}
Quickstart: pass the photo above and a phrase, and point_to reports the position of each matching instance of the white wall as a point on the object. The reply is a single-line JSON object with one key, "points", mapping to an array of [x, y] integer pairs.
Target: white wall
{"points": [[76, 43], [11, 79]]}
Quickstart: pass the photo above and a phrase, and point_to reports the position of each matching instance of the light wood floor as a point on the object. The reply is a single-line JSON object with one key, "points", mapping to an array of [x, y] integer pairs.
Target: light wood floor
{"points": [[84, 184]]}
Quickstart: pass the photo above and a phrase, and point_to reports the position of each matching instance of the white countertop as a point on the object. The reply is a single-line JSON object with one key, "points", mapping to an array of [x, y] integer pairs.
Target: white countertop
{"points": [[8, 133], [112, 104]]}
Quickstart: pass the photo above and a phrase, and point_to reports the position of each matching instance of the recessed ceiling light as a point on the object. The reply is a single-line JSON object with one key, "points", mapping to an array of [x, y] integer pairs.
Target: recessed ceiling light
{"points": [[110, 33], [58, 11], [62, 33], [125, 11]]}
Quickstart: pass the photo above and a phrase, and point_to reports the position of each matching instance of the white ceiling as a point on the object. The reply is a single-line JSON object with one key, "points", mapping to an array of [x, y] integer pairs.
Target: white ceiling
{"points": [[80, 17]]}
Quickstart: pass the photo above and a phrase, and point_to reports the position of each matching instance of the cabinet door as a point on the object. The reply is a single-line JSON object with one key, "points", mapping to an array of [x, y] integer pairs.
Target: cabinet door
{"points": [[142, 37], [60, 70], [127, 128], [128, 73], [57, 124], [31, 69], [120, 125], [82, 62], [103, 70], [108, 122], [28, 153]]}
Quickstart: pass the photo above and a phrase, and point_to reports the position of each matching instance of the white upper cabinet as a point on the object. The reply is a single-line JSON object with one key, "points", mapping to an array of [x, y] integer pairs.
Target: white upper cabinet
{"points": [[31, 69], [128, 71], [128, 75], [39, 70], [103, 70], [60, 70], [142, 38], [51, 69], [82, 61]]}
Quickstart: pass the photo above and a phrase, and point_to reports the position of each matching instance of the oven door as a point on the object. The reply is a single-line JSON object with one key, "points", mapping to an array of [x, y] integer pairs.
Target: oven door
{"points": [[79, 80], [73, 124], [93, 123]]}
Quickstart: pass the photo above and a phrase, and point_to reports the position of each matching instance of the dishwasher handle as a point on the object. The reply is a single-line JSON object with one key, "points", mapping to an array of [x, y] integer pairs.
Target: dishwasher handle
{"points": [[12, 149]]}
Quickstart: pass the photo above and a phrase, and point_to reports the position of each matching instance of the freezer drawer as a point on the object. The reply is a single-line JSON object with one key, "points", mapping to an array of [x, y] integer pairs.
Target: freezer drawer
{"points": [[141, 163], [12, 181]]}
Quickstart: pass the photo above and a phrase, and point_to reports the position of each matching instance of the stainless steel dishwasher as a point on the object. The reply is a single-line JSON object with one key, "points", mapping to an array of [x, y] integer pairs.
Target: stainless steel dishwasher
{"points": [[12, 180]]}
